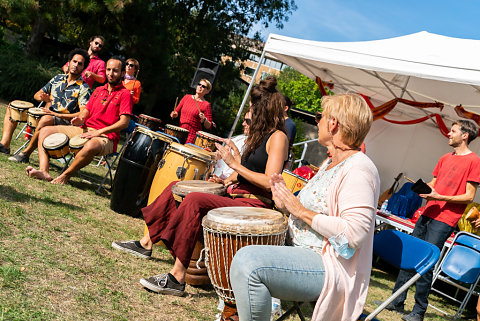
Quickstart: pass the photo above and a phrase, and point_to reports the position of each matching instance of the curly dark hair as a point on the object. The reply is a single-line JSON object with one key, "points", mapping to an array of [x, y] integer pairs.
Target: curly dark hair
{"points": [[267, 105], [81, 52]]}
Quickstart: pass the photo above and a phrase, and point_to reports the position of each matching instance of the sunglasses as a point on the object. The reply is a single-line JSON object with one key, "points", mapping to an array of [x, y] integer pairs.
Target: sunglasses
{"points": [[203, 86], [99, 44], [248, 121], [130, 64], [318, 116]]}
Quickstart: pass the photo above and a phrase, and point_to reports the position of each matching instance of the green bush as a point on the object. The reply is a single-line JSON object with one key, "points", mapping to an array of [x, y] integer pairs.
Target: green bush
{"points": [[20, 76]]}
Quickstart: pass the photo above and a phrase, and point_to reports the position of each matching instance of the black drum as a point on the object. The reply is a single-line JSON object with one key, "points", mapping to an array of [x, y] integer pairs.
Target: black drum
{"points": [[136, 169]]}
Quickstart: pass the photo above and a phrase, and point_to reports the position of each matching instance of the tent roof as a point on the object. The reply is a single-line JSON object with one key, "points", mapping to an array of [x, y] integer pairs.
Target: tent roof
{"points": [[422, 66]]}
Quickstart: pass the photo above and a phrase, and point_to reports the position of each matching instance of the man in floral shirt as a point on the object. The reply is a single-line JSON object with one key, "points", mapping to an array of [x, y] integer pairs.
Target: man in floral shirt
{"points": [[65, 95]]}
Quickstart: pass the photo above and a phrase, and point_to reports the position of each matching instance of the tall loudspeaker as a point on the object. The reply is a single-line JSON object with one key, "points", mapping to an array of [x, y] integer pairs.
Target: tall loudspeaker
{"points": [[206, 69]]}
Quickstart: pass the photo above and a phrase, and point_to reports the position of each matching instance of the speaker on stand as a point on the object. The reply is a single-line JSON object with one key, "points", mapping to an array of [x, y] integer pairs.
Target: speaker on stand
{"points": [[206, 69]]}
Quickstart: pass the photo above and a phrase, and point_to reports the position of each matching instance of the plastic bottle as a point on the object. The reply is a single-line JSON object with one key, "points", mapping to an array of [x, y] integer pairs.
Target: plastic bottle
{"points": [[383, 208]]}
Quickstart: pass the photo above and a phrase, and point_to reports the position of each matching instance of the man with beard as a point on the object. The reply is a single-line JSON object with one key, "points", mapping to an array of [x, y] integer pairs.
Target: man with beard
{"points": [[455, 181], [108, 112], [95, 71], [65, 95]]}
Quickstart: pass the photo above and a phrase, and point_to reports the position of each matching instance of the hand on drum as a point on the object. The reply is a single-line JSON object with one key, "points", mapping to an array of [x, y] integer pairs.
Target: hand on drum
{"points": [[225, 153], [218, 180], [91, 134], [174, 114], [283, 197]]}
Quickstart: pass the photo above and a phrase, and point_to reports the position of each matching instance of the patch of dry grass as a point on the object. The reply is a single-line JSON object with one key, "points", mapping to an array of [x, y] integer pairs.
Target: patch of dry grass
{"points": [[57, 263]]}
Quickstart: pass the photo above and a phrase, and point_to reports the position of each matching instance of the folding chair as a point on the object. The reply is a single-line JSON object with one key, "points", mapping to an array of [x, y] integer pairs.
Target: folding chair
{"points": [[460, 267], [404, 252]]}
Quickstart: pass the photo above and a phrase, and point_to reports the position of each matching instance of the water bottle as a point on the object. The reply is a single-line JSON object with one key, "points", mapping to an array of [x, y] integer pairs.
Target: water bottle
{"points": [[383, 208]]}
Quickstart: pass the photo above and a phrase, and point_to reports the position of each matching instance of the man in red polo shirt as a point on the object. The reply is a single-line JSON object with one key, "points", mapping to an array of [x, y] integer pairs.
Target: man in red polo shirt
{"points": [[107, 112], [95, 71]]}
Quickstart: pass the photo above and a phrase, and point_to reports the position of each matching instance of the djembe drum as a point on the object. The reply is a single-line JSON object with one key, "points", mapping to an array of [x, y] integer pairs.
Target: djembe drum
{"points": [[225, 231], [196, 272], [180, 133], [207, 141], [149, 122]]}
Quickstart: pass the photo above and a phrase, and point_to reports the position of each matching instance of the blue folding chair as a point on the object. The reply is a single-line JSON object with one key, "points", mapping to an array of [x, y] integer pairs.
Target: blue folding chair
{"points": [[459, 267], [404, 252]]}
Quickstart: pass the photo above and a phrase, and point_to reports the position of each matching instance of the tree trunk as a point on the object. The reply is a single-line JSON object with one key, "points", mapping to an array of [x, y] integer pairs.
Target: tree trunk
{"points": [[34, 43]]}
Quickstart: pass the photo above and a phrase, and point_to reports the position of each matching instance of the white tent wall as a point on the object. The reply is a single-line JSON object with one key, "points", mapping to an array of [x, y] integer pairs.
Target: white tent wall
{"points": [[423, 67]]}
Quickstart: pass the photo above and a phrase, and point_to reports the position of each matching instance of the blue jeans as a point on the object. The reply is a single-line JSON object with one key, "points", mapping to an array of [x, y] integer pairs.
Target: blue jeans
{"points": [[436, 233], [259, 272]]}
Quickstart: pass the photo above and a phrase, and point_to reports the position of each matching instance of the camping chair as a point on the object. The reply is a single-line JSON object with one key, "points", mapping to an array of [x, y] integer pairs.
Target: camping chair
{"points": [[460, 267], [404, 252]]}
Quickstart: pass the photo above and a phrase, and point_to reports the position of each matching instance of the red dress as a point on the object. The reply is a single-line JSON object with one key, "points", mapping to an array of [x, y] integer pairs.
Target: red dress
{"points": [[189, 118]]}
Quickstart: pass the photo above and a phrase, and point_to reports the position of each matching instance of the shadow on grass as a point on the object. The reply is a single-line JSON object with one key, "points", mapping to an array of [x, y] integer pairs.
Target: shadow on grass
{"points": [[12, 195]]}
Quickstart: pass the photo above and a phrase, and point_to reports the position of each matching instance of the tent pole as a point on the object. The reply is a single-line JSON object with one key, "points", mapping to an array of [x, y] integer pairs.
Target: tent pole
{"points": [[247, 93]]}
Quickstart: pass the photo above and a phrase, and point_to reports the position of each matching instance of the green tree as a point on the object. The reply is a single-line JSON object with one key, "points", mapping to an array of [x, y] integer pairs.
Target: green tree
{"points": [[301, 89]]}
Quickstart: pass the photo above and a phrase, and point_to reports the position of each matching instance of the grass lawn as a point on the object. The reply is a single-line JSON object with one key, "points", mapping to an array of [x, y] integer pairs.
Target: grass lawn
{"points": [[57, 263]]}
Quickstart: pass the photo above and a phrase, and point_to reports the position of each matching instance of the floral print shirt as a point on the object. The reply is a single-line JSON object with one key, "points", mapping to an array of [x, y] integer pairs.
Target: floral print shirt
{"points": [[314, 198], [67, 99]]}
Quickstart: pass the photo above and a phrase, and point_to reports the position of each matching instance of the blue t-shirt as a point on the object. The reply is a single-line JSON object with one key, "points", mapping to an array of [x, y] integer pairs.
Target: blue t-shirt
{"points": [[291, 130]]}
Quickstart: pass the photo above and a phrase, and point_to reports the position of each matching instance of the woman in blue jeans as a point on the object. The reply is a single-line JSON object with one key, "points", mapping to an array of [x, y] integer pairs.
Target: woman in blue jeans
{"points": [[331, 227]]}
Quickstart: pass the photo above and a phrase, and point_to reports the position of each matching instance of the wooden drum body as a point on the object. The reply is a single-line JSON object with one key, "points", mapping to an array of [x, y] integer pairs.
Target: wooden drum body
{"points": [[76, 144], [56, 145], [33, 116], [136, 169], [293, 181], [149, 121], [180, 133], [180, 163], [197, 271], [18, 110], [227, 229], [207, 141]]}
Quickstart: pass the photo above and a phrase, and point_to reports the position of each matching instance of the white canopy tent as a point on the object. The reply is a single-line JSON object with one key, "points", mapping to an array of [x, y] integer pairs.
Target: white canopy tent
{"points": [[423, 67]]}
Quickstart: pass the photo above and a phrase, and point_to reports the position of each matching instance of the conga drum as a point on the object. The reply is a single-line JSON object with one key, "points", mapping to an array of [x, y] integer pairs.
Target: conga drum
{"points": [[293, 181], [33, 116], [180, 133], [136, 169], [225, 231], [207, 141], [18, 110], [180, 163], [149, 121], [56, 145], [196, 272], [76, 144]]}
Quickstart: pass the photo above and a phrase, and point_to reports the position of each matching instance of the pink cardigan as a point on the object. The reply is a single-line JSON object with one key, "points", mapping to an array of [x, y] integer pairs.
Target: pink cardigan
{"points": [[352, 203]]}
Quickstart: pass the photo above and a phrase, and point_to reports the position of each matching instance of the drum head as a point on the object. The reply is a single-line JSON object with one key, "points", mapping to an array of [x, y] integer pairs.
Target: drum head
{"points": [[35, 111], [149, 118], [196, 152], [153, 134], [176, 128], [20, 104], [183, 188], [208, 135], [245, 220], [77, 141], [56, 140]]}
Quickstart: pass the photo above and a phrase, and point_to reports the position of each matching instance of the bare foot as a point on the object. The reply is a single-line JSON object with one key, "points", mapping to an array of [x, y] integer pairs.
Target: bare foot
{"points": [[60, 180], [38, 174]]}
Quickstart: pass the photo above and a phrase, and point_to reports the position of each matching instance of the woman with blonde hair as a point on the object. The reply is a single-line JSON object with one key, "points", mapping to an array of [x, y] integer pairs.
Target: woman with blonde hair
{"points": [[331, 225], [131, 82]]}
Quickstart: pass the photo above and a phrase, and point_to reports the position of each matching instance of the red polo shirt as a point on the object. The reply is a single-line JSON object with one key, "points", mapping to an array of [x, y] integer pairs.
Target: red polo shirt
{"points": [[105, 109]]}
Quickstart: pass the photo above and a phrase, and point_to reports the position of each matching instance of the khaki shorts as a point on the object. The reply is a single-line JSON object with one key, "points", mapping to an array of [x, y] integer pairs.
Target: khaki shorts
{"points": [[72, 131]]}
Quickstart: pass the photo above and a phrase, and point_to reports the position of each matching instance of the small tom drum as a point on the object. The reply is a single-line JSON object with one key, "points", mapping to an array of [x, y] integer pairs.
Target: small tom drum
{"points": [[149, 121], [76, 144], [196, 273], [56, 145], [293, 181], [18, 110], [207, 141], [180, 133], [33, 116], [227, 229]]}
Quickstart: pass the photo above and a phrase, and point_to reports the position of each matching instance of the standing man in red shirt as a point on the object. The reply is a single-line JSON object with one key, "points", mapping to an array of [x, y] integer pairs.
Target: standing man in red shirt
{"points": [[455, 181], [107, 112], [195, 110], [95, 71]]}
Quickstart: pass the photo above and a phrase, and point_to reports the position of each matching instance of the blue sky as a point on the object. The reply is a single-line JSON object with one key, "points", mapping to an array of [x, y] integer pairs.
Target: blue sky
{"points": [[355, 20]]}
